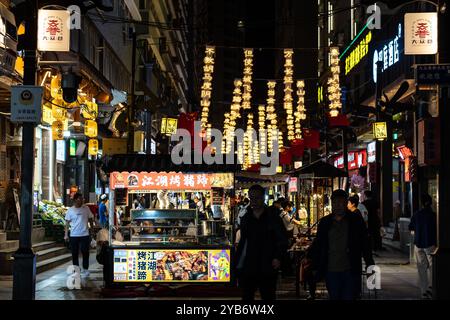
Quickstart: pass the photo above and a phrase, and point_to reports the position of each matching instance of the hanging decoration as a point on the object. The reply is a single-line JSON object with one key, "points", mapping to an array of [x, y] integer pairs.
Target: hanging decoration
{"points": [[288, 81], [301, 110], [90, 128], [58, 130], [93, 147], [89, 109], [262, 147], [55, 88], [334, 89], [247, 79], [248, 143], [208, 70], [226, 128], [234, 114], [271, 116]]}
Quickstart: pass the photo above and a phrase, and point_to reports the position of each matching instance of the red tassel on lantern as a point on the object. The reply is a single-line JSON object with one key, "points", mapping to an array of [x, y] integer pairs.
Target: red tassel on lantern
{"points": [[339, 121]]}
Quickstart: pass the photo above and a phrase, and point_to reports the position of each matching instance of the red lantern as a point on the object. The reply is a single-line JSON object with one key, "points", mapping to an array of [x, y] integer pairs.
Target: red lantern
{"points": [[339, 121], [285, 156], [254, 168], [297, 147], [311, 138]]}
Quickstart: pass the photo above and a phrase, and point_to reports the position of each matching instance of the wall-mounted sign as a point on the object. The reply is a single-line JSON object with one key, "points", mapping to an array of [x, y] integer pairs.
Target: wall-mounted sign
{"points": [[358, 53], [61, 150], [388, 55], [432, 74], [53, 30], [421, 33], [26, 103], [293, 184], [169, 126], [156, 265], [356, 159], [380, 130], [372, 152], [112, 146]]}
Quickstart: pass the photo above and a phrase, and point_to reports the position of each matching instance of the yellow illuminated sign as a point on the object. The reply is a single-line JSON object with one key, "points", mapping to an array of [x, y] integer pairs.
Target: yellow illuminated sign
{"points": [[93, 147], [380, 130], [157, 265], [169, 126], [358, 53], [57, 130], [47, 117]]}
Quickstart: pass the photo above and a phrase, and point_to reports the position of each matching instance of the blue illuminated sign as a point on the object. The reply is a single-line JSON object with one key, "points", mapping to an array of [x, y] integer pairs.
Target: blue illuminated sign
{"points": [[389, 54]]}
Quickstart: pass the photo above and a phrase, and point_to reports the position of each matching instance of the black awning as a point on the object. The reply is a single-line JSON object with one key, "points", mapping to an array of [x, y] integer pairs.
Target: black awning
{"points": [[160, 163], [320, 169]]}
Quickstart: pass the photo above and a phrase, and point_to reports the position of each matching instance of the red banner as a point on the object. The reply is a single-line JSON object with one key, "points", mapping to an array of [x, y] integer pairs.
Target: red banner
{"points": [[169, 180]]}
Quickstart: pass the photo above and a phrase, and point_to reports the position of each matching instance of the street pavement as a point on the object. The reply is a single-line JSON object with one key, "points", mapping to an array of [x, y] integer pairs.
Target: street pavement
{"points": [[398, 282]]}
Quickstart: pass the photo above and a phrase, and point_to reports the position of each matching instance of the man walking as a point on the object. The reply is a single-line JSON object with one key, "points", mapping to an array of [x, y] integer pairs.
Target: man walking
{"points": [[77, 217], [260, 248], [103, 211], [341, 244], [373, 221], [423, 223]]}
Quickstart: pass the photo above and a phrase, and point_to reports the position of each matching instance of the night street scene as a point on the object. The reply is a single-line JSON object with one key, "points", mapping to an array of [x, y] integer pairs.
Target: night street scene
{"points": [[252, 152]]}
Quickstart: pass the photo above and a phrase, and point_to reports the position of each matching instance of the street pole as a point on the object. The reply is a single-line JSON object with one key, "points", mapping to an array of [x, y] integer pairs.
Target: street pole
{"points": [[131, 106], [345, 155], [24, 272]]}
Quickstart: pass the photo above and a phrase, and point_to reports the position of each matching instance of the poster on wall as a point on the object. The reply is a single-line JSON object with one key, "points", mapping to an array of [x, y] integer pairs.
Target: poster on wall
{"points": [[157, 265]]}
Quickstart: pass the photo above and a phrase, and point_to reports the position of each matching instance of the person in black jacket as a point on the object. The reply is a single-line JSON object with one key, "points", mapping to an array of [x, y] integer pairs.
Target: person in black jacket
{"points": [[260, 248], [341, 243], [373, 221]]}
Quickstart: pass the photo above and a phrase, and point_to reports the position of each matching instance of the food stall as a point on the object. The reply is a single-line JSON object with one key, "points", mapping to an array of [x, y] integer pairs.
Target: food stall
{"points": [[315, 184], [169, 238]]}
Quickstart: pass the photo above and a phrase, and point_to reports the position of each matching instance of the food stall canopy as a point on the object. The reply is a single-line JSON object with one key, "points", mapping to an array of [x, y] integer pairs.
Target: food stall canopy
{"points": [[247, 179], [157, 163], [319, 169]]}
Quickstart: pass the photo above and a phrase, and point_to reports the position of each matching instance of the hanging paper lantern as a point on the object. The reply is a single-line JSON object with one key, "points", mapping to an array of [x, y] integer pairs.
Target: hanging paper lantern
{"points": [[58, 130], [90, 110], [58, 112], [55, 88], [90, 128], [93, 147]]}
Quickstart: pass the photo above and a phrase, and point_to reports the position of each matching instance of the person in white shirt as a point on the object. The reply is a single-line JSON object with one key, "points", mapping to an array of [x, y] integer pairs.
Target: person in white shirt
{"points": [[78, 218]]}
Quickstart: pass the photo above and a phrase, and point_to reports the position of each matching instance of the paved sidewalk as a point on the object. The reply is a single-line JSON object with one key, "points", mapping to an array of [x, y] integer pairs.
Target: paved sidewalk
{"points": [[398, 282]]}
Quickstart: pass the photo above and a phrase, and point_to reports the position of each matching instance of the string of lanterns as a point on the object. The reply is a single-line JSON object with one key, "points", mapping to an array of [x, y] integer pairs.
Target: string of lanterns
{"points": [[248, 143], [334, 89], [247, 79], [208, 70], [271, 115], [301, 110], [288, 81], [234, 113]]}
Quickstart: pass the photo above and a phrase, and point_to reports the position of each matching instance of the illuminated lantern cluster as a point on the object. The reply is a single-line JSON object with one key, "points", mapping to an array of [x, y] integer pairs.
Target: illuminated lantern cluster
{"points": [[208, 70], [262, 136], [334, 89], [234, 114], [288, 81], [300, 114], [247, 79], [90, 129], [93, 147], [226, 129], [248, 143], [271, 116], [58, 130]]}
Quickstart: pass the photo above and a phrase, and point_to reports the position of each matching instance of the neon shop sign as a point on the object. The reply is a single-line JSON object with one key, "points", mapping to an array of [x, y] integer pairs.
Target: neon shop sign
{"points": [[388, 55]]}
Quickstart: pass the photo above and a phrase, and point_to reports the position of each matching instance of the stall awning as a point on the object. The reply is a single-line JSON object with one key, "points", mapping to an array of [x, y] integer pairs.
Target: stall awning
{"points": [[319, 169], [160, 163], [247, 179]]}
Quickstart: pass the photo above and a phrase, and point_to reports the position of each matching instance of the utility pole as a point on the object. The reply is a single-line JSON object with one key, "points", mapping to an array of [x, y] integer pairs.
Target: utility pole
{"points": [[345, 155], [131, 106], [24, 273]]}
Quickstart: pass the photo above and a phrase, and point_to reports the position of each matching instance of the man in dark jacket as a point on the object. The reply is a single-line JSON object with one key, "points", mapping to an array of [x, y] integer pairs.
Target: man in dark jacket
{"points": [[373, 221], [341, 244], [423, 223], [260, 249]]}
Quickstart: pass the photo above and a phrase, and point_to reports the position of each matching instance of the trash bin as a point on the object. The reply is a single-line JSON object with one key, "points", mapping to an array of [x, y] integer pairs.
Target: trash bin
{"points": [[405, 234]]}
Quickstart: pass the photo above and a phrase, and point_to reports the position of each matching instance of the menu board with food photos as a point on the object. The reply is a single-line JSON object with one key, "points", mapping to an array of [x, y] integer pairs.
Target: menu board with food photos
{"points": [[158, 265]]}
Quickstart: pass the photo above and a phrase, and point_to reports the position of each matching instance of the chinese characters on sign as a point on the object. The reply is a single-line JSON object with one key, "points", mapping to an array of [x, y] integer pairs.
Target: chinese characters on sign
{"points": [[361, 50], [421, 33], [26, 103], [170, 180], [380, 130], [143, 265], [388, 55], [53, 30]]}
